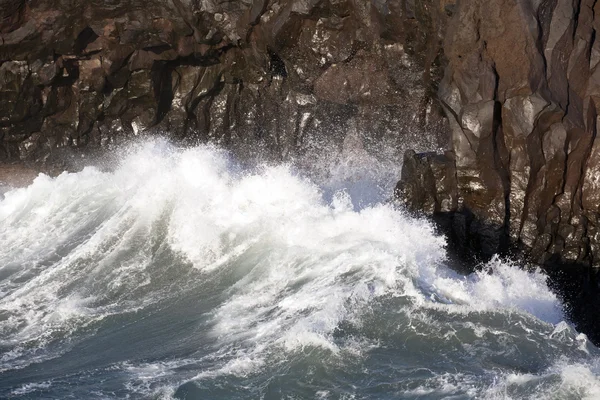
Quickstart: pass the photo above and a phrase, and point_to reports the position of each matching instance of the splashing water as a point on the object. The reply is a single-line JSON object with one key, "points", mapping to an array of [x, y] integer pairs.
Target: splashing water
{"points": [[181, 275]]}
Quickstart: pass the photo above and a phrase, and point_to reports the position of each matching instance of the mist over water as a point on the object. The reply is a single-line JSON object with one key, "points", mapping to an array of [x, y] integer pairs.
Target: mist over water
{"points": [[181, 274]]}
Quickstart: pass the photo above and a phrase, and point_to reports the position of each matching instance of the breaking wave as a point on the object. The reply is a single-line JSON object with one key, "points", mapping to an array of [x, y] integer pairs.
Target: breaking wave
{"points": [[180, 274]]}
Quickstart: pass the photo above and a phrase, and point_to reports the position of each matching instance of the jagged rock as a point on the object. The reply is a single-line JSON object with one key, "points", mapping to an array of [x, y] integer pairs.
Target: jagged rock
{"points": [[81, 74], [520, 91], [428, 183]]}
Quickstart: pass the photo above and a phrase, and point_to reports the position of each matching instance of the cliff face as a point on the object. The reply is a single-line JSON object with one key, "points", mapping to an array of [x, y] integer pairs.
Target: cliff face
{"points": [[277, 77], [522, 94]]}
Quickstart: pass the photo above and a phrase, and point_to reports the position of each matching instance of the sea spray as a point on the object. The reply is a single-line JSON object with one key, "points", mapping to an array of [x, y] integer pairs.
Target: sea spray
{"points": [[181, 274]]}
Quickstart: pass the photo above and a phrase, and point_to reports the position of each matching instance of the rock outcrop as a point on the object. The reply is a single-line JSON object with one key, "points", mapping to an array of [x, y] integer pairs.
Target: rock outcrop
{"points": [[275, 77], [522, 94]]}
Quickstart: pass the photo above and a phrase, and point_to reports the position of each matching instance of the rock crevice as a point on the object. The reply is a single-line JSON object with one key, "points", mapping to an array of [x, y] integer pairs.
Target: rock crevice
{"points": [[521, 92], [272, 77]]}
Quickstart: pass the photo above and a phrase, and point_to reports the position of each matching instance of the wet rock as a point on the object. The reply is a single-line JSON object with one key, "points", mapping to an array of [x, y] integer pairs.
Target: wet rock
{"points": [[520, 91], [521, 94], [256, 76], [359, 81], [428, 183]]}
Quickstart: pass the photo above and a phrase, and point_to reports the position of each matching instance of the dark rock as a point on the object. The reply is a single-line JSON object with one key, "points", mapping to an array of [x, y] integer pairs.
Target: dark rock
{"points": [[76, 74], [428, 183], [520, 91], [578, 287], [12, 14]]}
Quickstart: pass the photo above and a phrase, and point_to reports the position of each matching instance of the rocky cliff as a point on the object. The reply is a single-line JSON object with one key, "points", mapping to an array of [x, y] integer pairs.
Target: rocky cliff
{"points": [[278, 77], [520, 91], [522, 94]]}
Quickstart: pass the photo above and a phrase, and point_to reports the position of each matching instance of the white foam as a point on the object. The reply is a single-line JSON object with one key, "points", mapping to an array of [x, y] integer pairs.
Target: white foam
{"points": [[499, 285], [31, 388], [80, 247], [563, 380]]}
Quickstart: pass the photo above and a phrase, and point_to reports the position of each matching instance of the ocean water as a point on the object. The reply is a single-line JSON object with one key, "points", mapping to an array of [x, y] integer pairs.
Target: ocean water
{"points": [[181, 274]]}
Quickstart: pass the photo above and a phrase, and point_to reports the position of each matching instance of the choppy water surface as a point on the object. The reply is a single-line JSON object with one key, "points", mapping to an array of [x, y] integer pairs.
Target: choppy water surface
{"points": [[180, 275]]}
